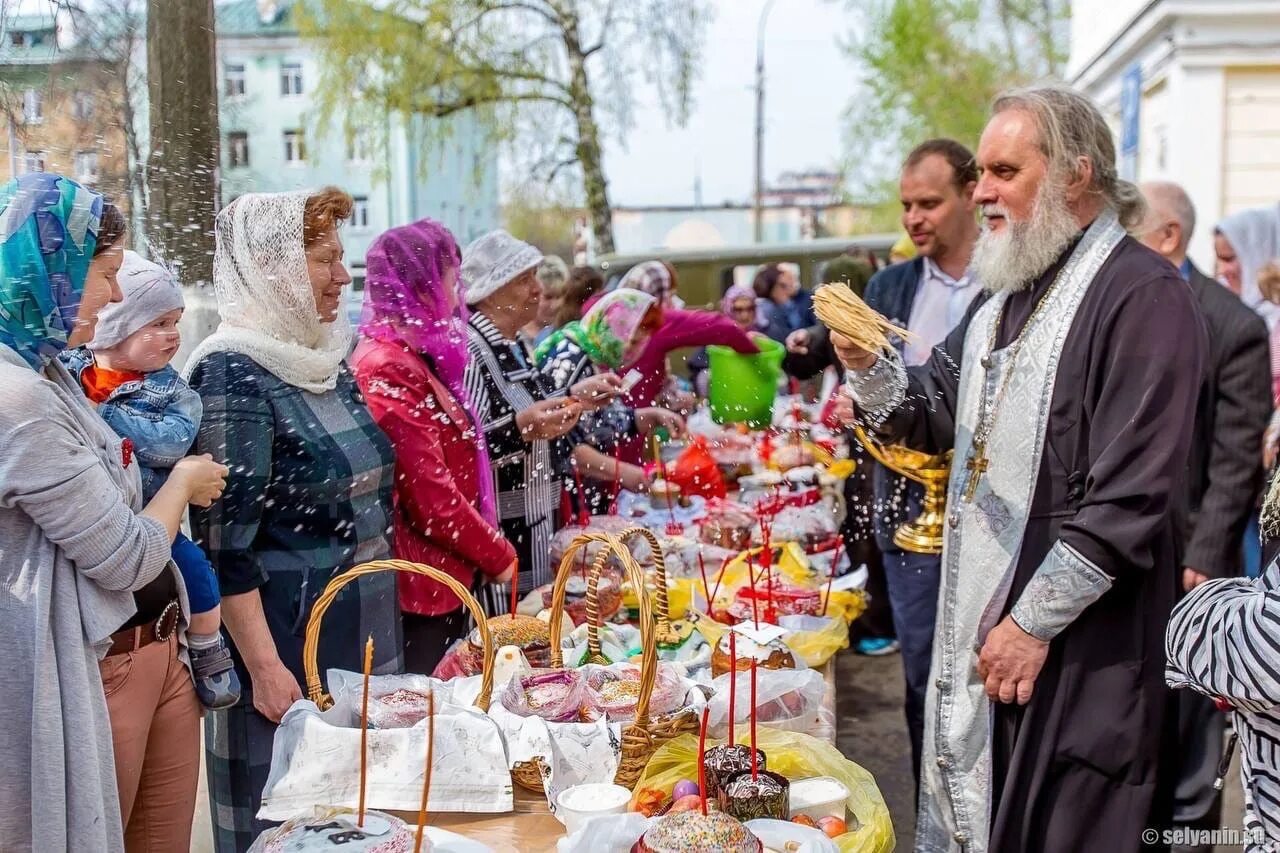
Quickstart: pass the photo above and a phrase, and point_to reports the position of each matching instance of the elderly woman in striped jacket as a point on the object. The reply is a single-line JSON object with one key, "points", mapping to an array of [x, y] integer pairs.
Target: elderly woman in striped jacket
{"points": [[1223, 640]]}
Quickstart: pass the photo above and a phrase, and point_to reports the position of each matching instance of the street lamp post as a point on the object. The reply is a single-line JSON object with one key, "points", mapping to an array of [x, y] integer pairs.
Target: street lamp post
{"points": [[759, 188]]}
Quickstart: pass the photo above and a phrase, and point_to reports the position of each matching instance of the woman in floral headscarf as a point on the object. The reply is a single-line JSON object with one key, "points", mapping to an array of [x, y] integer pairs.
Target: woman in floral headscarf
{"points": [[612, 333], [77, 549], [410, 367]]}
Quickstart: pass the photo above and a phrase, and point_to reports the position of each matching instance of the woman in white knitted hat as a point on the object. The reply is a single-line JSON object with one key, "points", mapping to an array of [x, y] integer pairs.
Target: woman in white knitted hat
{"points": [[524, 421]]}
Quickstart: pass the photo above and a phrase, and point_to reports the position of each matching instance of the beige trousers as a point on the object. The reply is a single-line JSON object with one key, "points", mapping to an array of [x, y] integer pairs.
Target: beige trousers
{"points": [[155, 725]]}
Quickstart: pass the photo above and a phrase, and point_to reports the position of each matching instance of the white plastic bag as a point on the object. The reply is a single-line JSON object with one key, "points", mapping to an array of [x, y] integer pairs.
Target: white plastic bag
{"points": [[786, 699], [316, 759]]}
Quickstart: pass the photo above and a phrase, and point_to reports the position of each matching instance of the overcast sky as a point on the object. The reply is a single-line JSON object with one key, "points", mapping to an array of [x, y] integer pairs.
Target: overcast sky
{"points": [[809, 82]]}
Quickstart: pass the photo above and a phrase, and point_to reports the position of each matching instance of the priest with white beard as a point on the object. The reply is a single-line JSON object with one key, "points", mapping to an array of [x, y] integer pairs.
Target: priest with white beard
{"points": [[1068, 397]]}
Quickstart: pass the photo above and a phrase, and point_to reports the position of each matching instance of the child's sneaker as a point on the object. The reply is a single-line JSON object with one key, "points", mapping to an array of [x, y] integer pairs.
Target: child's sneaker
{"points": [[217, 684]]}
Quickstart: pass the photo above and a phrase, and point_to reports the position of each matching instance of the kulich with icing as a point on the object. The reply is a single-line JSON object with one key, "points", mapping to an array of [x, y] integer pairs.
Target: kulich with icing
{"points": [[723, 762], [336, 831], [694, 832], [768, 795], [772, 655]]}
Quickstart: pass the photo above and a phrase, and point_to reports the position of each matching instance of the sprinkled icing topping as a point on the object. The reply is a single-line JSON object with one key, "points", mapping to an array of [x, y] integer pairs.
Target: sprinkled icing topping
{"points": [[694, 832]]}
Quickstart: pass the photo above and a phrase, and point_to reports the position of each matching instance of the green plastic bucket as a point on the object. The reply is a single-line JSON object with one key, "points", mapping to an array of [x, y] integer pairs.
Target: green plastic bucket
{"points": [[742, 387]]}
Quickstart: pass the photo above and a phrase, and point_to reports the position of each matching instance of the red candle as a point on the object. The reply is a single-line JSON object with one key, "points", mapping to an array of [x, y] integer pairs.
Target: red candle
{"points": [[723, 565], [751, 579], [733, 681], [826, 602], [364, 727], [617, 479], [702, 752], [754, 770], [584, 518]]}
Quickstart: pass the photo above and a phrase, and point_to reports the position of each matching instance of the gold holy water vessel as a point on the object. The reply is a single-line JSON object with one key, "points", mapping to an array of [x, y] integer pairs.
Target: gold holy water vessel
{"points": [[922, 535]]}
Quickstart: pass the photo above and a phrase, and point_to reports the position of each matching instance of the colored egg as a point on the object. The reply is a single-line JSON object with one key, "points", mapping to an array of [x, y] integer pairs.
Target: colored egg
{"points": [[832, 826], [686, 804], [685, 788]]}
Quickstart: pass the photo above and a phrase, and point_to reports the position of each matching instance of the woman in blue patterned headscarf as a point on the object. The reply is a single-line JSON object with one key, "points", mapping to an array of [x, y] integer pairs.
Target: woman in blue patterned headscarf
{"points": [[75, 543], [49, 238]]}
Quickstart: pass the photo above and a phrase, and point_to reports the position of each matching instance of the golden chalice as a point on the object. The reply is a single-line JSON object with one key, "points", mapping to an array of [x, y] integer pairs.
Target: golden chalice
{"points": [[922, 535]]}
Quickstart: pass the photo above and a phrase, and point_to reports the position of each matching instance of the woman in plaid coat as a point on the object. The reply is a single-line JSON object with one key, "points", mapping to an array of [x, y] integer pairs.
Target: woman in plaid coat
{"points": [[309, 494]]}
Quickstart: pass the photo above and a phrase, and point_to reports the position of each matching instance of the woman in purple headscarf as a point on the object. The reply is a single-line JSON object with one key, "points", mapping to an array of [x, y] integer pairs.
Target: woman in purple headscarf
{"points": [[409, 365]]}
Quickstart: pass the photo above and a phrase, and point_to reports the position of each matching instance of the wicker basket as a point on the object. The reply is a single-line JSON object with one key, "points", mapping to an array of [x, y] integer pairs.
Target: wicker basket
{"points": [[641, 737], [528, 774], [312, 641]]}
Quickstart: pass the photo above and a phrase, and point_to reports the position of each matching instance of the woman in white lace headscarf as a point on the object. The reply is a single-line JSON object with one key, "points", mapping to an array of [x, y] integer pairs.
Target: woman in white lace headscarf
{"points": [[309, 494]]}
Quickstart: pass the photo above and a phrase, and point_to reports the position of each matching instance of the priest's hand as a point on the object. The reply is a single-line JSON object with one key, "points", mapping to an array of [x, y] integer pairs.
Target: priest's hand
{"points": [[850, 354], [1010, 662], [842, 410]]}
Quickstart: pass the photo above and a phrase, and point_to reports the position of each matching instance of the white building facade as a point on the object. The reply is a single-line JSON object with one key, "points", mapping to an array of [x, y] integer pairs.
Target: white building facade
{"points": [[1192, 89]]}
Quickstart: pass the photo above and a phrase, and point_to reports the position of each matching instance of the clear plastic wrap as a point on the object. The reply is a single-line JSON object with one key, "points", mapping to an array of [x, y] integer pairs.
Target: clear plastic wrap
{"points": [[786, 699], [727, 525], [612, 692], [809, 526], [555, 695], [396, 701]]}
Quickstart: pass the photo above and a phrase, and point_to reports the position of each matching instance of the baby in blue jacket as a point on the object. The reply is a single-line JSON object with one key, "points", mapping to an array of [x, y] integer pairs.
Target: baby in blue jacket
{"points": [[125, 371]]}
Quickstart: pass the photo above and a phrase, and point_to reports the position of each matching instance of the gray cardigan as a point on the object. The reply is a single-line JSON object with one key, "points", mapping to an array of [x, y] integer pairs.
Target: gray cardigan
{"points": [[72, 550]]}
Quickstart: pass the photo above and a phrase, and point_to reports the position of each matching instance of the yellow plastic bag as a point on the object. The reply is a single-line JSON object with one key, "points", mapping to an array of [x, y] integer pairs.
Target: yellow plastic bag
{"points": [[796, 756], [815, 647], [680, 592], [849, 603]]}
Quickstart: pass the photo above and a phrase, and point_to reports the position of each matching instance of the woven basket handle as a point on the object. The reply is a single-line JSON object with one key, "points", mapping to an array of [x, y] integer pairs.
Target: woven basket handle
{"points": [[594, 620], [648, 642], [560, 588], [665, 633], [312, 642]]}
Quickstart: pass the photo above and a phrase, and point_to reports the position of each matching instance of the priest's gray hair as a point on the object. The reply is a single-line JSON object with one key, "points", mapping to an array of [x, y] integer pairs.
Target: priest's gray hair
{"points": [[1071, 127]]}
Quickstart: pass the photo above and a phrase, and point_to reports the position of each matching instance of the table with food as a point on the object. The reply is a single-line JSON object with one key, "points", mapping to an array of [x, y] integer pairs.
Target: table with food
{"points": [[672, 689]]}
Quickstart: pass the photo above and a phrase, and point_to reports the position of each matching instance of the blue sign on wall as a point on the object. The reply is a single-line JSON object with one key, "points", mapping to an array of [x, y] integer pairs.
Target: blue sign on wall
{"points": [[1130, 105]]}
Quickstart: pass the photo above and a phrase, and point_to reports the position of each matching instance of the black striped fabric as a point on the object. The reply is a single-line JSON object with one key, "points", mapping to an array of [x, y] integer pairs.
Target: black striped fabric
{"points": [[1224, 641]]}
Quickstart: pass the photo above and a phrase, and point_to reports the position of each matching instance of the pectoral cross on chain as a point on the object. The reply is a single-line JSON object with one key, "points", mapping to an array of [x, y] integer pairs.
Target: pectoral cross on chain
{"points": [[976, 465]]}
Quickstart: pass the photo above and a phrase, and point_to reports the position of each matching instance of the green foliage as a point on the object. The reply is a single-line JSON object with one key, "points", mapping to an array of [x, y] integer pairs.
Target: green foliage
{"points": [[532, 72], [932, 67], [543, 217]]}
